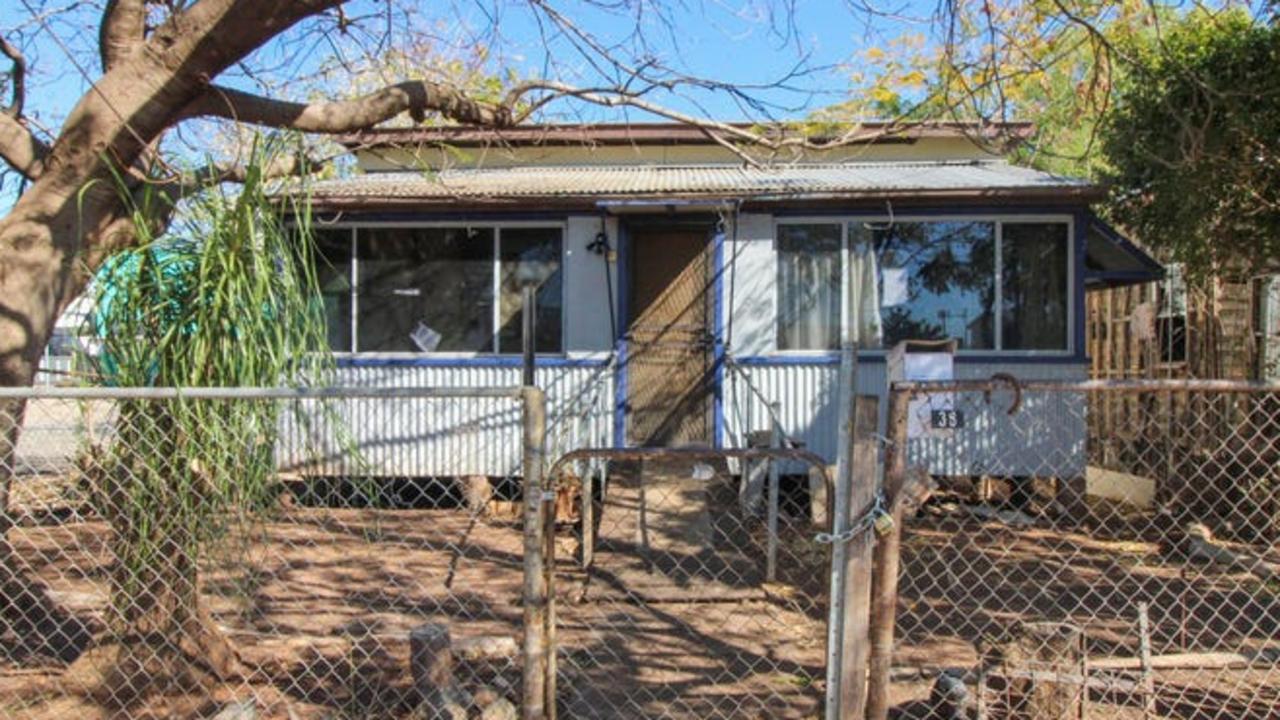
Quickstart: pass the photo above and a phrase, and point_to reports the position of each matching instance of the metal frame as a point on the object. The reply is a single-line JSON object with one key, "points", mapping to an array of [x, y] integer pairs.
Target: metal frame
{"points": [[773, 455], [496, 225], [998, 219]]}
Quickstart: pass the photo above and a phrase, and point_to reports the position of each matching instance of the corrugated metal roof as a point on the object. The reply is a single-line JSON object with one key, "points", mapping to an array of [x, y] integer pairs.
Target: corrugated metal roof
{"points": [[667, 133], [711, 181]]}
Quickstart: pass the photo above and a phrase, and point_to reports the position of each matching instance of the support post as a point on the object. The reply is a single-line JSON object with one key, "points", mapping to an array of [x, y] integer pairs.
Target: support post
{"points": [[855, 492], [771, 555], [1144, 654], [529, 331], [536, 595], [886, 561]]}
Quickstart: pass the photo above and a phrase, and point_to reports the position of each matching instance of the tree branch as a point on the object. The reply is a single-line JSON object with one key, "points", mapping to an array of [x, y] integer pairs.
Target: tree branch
{"points": [[417, 97], [20, 148], [17, 76], [123, 30]]}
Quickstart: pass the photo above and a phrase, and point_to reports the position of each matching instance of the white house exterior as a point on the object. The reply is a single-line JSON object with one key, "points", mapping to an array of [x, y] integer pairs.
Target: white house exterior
{"points": [[681, 291]]}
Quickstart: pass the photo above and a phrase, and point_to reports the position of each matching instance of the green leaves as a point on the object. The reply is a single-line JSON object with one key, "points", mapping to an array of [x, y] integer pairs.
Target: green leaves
{"points": [[229, 298], [1193, 144]]}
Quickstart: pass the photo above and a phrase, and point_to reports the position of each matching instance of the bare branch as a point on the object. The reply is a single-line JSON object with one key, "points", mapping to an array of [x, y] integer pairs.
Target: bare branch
{"points": [[17, 76], [122, 31], [20, 149], [416, 97], [225, 172]]}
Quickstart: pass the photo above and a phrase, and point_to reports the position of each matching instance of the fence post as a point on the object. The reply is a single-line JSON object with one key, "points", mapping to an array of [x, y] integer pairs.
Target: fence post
{"points": [[855, 490], [886, 563], [536, 596], [771, 554]]}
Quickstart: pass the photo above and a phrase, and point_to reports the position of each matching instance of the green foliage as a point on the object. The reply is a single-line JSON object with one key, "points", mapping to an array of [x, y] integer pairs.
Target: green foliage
{"points": [[1192, 143], [227, 298]]}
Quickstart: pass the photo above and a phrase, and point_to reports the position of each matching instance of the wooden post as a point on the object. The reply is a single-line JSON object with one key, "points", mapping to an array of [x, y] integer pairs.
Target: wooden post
{"points": [[853, 558], [885, 562], [588, 515], [536, 598], [1144, 653]]}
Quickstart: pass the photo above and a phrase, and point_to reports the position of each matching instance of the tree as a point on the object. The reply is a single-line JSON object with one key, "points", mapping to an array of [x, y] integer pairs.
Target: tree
{"points": [[180, 478], [1192, 145]]}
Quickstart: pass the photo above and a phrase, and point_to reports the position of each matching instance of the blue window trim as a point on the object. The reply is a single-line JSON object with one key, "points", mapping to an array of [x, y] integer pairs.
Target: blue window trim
{"points": [[482, 361], [624, 319], [875, 358], [718, 339], [1154, 268]]}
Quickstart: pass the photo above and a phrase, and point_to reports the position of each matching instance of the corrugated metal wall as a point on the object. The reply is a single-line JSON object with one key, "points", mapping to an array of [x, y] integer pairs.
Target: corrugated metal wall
{"points": [[1045, 438], [442, 437]]}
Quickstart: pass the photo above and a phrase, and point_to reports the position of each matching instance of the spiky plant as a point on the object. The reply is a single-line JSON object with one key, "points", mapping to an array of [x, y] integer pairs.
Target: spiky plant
{"points": [[226, 297]]}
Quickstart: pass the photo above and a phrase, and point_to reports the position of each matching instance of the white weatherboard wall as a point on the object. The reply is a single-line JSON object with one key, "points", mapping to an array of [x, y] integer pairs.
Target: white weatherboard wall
{"points": [[442, 437], [751, 269], [470, 436], [1047, 437]]}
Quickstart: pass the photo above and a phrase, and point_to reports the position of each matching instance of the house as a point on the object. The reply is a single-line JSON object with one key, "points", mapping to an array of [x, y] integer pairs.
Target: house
{"points": [[682, 292]]}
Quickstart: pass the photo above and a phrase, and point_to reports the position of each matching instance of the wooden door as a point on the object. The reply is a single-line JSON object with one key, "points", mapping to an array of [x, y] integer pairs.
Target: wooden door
{"points": [[669, 355]]}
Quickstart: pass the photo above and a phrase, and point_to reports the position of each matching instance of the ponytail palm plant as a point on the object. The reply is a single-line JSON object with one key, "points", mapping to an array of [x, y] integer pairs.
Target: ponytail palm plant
{"points": [[227, 296]]}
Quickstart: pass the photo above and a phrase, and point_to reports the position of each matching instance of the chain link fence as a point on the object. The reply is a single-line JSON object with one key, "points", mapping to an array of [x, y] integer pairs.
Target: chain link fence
{"points": [[687, 592], [1104, 550], [254, 553]]}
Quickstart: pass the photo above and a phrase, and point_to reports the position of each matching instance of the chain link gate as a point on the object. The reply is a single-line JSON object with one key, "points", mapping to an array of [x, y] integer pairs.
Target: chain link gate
{"points": [[297, 566], [675, 598], [1098, 549]]}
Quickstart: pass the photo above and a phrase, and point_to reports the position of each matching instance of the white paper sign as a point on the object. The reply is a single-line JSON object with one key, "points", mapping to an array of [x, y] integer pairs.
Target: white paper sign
{"points": [[928, 366], [425, 338], [893, 286]]}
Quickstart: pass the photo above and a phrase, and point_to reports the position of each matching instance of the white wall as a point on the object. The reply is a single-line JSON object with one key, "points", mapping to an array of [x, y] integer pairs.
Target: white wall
{"points": [[587, 326], [749, 261]]}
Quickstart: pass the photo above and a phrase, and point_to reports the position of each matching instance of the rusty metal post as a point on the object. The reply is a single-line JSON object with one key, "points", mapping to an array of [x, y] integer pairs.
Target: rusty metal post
{"points": [[536, 593], [885, 565]]}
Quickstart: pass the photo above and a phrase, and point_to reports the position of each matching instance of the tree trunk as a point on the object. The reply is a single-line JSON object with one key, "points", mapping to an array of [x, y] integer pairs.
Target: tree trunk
{"points": [[165, 637]]}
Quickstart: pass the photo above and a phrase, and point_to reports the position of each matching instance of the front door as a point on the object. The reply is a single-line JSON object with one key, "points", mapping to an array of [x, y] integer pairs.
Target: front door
{"points": [[669, 356]]}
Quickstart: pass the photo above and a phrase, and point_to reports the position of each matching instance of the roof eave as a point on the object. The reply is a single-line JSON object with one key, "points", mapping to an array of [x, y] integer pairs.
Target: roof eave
{"points": [[1068, 195], [640, 134]]}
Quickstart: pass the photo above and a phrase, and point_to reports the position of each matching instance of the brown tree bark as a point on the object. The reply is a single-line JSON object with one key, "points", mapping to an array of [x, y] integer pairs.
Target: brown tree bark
{"points": [[72, 216]]}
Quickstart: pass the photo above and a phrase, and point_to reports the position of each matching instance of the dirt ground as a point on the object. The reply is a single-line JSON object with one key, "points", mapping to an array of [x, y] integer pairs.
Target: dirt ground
{"points": [[320, 603]]}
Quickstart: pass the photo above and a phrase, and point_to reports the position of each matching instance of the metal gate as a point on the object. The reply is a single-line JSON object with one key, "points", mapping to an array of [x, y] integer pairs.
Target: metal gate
{"points": [[676, 599]]}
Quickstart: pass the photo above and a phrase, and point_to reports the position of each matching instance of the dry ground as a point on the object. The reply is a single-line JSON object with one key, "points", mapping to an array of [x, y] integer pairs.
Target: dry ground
{"points": [[320, 603]]}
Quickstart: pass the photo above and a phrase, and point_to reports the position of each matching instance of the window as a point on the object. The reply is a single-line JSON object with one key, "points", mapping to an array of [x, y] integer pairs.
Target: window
{"points": [[1034, 265], [1171, 321], [439, 289], [333, 273], [530, 255], [989, 284], [425, 289], [808, 287], [932, 281]]}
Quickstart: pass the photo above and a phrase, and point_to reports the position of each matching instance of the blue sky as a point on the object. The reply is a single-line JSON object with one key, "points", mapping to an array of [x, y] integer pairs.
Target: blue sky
{"points": [[732, 41]]}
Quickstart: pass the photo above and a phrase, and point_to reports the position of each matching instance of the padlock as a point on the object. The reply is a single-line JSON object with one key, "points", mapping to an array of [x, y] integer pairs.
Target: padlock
{"points": [[883, 524]]}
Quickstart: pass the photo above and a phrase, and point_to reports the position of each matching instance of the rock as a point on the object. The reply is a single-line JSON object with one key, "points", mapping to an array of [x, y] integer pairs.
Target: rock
{"points": [[486, 696], [501, 709], [442, 706], [949, 698], [486, 647], [239, 710]]}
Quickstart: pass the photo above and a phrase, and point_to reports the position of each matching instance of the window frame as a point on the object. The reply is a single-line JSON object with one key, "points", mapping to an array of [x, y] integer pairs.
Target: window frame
{"points": [[497, 226], [999, 220]]}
